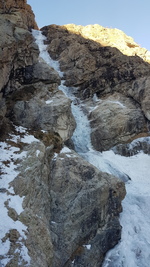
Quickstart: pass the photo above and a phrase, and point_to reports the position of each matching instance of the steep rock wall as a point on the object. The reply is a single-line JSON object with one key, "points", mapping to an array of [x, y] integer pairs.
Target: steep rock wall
{"points": [[29, 97], [107, 64], [68, 206], [25, 83], [17, 49]]}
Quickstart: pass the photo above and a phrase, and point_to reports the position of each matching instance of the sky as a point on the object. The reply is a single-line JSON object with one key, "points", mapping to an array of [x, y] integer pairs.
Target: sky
{"points": [[130, 16]]}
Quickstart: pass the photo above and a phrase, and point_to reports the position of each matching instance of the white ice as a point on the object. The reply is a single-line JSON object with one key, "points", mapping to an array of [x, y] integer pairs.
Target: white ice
{"points": [[117, 102], [37, 153], [134, 248], [48, 101], [87, 246], [39, 39], [65, 149]]}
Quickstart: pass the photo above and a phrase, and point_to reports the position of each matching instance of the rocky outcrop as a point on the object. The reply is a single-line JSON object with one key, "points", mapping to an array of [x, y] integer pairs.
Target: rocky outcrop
{"points": [[133, 148], [106, 63], [115, 120], [70, 209], [84, 210], [32, 184], [48, 115], [28, 87], [140, 91], [36, 105], [18, 12], [17, 50], [97, 59]]}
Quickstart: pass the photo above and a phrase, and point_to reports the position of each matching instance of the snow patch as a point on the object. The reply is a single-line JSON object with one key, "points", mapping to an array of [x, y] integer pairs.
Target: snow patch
{"points": [[15, 202], [92, 108], [53, 222], [29, 139], [20, 129], [48, 101], [55, 156], [10, 157], [87, 246], [65, 149], [37, 153], [116, 102], [95, 98]]}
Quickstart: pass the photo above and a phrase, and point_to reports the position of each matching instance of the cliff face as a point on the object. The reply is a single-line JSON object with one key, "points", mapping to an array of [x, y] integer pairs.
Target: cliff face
{"points": [[19, 12], [17, 49], [67, 204], [23, 77], [110, 65]]}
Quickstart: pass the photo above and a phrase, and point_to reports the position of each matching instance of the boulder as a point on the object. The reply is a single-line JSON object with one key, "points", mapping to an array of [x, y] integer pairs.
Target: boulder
{"points": [[141, 144], [49, 112], [114, 120]]}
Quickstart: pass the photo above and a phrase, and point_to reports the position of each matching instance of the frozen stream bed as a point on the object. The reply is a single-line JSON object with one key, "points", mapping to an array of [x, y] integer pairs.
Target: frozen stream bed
{"points": [[134, 247]]}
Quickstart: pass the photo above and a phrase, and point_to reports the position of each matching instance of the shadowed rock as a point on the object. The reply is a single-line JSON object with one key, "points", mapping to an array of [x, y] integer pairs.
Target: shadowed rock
{"points": [[84, 210], [109, 64]]}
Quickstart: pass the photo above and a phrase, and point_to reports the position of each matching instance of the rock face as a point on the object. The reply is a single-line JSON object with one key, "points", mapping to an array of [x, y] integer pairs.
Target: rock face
{"points": [[33, 183], [84, 211], [114, 120], [26, 85], [19, 12], [50, 115], [70, 208], [111, 65], [17, 49], [37, 104]]}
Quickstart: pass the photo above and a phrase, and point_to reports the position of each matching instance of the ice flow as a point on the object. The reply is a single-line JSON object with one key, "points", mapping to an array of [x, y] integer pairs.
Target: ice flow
{"points": [[134, 247]]}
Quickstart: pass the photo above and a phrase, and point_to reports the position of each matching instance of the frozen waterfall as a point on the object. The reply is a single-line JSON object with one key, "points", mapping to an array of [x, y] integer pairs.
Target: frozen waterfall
{"points": [[134, 248]]}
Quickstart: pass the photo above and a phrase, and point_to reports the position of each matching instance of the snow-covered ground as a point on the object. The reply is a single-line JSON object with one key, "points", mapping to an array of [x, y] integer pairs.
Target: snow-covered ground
{"points": [[9, 156], [134, 247]]}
